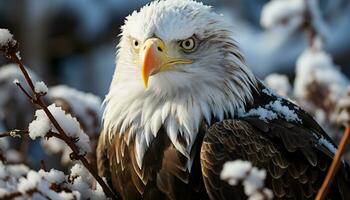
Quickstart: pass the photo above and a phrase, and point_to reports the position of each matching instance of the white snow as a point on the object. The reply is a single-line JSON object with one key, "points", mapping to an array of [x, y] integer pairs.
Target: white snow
{"points": [[40, 87], [235, 171], [251, 177], [16, 81], [80, 170], [53, 176], [329, 145], [6, 38], [19, 178], [264, 114], [85, 106], [83, 181], [272, 111], [277, 12], [318, 66], [29, 182], [283, 110], [41, 125], [279, 83], [254, 181]]}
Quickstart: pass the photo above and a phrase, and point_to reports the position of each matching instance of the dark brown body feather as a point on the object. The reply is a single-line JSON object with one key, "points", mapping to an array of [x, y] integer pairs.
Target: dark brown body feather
{"points": [[295, 162]]}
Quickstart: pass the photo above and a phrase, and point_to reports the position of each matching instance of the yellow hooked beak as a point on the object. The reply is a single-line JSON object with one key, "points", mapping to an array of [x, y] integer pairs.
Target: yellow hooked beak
{"points": [[155, 59]]}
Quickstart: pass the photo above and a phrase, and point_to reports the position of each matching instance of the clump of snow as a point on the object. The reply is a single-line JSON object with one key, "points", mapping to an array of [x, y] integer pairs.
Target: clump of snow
{"points": [[32, 184], [251, 177], [287, 113], [53, 176], [271, 111], [278, 12], [85, 106], [6, 38], [264, 114], [279, 83], [82, 181], [41, 182], [318, 66], [40, 87], [42, 125]]}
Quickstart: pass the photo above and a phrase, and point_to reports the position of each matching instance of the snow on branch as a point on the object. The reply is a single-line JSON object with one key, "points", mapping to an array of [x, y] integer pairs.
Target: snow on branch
{"points": [[41, 88], [278, 12], [252, 179], [20, 181], [42, 125], [297, 14], [51, 121], [6, 39]]}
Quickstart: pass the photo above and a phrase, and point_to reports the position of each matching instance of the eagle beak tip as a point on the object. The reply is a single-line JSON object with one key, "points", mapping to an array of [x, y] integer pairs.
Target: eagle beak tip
{"points": [[145, 83]]}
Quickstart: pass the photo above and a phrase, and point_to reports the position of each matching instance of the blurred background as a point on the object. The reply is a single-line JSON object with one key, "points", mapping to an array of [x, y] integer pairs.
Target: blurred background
{"points": [[73, 42]]}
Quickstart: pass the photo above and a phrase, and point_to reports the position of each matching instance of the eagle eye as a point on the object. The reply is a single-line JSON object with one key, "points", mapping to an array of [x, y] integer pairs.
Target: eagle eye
{"points": [[136, 44], [188, 45]]}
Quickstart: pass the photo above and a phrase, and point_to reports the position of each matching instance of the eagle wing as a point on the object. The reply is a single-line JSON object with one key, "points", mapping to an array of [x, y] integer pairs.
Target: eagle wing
{"points": [[295, 161]]}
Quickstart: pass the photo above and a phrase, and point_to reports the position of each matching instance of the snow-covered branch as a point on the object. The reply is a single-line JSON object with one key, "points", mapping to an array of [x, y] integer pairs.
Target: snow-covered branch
{"points": [[51, 118], [18, 180]]}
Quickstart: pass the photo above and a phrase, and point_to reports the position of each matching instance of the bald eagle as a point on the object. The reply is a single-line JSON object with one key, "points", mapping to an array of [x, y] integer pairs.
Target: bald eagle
{"points": [[182, 102]]}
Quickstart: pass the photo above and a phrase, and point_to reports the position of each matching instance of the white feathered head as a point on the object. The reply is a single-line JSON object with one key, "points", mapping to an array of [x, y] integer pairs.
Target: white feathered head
{"points": [[177, 63]]}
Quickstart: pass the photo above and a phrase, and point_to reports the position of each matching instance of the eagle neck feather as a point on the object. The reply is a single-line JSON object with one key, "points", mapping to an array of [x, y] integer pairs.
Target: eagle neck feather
{"points": [[143, 112]]}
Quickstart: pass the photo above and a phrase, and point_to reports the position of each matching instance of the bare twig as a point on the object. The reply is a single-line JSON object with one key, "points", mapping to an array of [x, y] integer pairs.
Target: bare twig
{"points": [[11, 53], [335, 164], [24, 91], [14, 133]]}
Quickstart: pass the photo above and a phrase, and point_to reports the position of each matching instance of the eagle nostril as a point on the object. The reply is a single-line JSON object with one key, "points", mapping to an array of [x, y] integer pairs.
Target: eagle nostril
{"points": [[160, 49]]}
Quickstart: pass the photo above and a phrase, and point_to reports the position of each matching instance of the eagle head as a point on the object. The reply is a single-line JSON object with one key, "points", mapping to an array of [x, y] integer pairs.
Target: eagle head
{"points": [[177, 64]]}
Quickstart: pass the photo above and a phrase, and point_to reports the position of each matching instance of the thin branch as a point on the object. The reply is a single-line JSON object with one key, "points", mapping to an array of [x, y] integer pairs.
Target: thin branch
{"points": [[14, 133], [11, 53], [5, 134], [24, 91], [334, 166]]}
